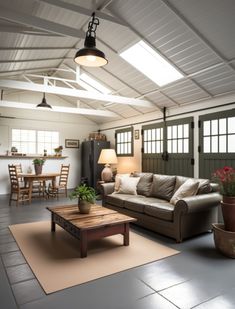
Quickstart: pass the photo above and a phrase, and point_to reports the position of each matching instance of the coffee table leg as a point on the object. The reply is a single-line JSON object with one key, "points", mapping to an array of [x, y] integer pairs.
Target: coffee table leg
{"points": [[126, 235], [52, 223], [83, 244]]}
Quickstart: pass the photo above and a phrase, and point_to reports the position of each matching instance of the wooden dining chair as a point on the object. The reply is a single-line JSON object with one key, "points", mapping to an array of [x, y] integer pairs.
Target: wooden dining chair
{"points": [[19, 193], [61, 188]]}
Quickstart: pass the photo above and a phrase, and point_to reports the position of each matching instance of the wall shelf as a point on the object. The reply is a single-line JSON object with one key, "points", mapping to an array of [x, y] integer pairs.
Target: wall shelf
{"points": [[33, 157]]}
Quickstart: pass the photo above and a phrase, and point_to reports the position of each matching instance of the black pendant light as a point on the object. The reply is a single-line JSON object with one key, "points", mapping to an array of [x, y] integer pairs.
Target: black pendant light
{"points": [[44, 103], [90, 56]]}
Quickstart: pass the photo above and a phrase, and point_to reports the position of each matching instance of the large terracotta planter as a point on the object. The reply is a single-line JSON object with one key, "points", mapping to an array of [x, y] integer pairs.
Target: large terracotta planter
{"points": [[38, 169], [224, 240], [228, 211]]}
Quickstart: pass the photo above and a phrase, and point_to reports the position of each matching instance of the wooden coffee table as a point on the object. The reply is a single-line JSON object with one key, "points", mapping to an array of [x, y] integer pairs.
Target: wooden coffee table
{"points": [[100, 222]]}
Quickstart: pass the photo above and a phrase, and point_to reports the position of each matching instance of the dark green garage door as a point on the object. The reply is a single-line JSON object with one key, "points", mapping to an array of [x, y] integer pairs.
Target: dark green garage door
{"points": [[168, 147], [217, 142]]}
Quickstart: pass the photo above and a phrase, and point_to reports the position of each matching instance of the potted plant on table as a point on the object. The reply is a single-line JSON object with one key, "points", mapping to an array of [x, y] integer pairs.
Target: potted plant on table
{"points": [[225, 177], [58, 150], [38, 163], [86, 197]]}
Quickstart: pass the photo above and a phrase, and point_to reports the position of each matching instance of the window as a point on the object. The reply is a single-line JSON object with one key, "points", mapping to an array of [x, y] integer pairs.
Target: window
{"points": [[178, 138], [32, 141], [149, 62], [153, 140], [219, 135], [92, 84], [124, 142]]}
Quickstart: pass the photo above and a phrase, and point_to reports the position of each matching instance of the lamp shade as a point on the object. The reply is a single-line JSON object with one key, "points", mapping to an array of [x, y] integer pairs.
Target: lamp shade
{"points": [[44, 103], [107, 156]]}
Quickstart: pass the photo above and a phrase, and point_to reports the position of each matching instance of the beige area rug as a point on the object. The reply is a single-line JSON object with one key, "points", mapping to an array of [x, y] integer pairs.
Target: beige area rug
{"points": [[55, 258]]}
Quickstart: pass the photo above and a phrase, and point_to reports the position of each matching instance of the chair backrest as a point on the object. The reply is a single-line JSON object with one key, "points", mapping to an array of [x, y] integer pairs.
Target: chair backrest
{"points": [[18, 168], [14, 179], [64, 173]]}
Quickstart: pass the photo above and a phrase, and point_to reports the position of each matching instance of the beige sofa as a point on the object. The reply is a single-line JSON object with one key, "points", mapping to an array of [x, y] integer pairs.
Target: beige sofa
{"points": [[152, 208]]}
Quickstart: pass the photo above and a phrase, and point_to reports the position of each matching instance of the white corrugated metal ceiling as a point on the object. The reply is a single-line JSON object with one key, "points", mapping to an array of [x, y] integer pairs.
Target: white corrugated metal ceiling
{"points": [[196, 36]]}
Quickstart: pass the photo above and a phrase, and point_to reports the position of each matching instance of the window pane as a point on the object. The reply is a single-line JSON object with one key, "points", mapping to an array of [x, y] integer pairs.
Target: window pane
{"points": [[214, 127], [206, 128], [158, 149], [129, 136], [231, 125], [180, 131], [222, 126], [169, 132], [180, 146], [169, 149], [129, 148], [222, 143], [206, 145], [186, 130], [174, 146], [214, 144], [158, 137], [149, 147], [174, 131], [145, 147], [154, 147], [153, 134], [231, 143], [161, 150], [186, 146]]}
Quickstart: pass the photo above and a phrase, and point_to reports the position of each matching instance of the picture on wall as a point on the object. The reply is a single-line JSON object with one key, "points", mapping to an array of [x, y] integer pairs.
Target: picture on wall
{"points": [[137, 134], [72, 143]]}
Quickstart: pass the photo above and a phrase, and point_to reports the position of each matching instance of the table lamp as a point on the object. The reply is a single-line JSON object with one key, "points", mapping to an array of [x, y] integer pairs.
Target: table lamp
{"points": [[107, 157]]}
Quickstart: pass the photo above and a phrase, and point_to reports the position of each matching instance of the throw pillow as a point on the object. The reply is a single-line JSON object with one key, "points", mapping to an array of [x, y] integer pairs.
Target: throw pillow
{"points": [[144, 184], [128, 185], [163, 186], [188, 188], [118, 180]]}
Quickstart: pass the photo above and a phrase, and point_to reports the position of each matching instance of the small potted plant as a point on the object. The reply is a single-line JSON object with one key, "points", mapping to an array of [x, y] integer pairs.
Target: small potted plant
{"points": [[58, 150], [86, 196], [38, 163]]}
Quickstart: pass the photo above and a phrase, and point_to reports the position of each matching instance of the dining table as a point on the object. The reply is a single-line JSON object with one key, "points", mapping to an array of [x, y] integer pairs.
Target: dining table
{"points": [[30, 178]]}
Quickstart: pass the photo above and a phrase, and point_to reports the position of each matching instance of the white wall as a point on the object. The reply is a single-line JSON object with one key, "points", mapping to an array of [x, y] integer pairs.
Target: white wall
{"points": [[130, 164], [69, 127]]}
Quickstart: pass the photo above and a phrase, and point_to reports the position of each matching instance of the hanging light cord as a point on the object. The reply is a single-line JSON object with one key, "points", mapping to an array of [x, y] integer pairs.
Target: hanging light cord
{"points": [[92, 25]]}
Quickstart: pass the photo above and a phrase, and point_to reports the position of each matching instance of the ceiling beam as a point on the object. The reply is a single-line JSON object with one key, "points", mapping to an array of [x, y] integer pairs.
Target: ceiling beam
{"points": [[40, 23], [14, 84], [34, 60], [37, 48], [25, 30], [60, 109], [81, 10]]}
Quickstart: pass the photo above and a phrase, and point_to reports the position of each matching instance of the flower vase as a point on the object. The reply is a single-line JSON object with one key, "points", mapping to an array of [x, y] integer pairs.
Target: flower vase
{"points": [[228, 211]]}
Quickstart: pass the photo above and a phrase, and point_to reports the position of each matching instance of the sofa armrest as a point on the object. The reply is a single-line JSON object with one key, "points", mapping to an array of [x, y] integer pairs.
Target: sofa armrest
{"points": [[107, 188], [198, 203]]}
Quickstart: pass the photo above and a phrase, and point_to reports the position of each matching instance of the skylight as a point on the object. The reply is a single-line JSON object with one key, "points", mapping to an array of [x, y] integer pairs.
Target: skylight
{"points": [[92, 84], [149, 62]]}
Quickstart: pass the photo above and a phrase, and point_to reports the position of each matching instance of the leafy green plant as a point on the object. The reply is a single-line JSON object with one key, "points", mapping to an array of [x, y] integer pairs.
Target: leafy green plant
{"points": [[38, 161], [84, 193]]}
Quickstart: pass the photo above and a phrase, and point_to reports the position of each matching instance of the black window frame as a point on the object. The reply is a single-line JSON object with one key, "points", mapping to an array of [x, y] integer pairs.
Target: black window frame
{"points": [[120, 131]]}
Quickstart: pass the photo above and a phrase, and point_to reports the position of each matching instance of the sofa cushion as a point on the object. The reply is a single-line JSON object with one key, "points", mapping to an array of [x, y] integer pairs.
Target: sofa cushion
{"points": [[118, 178], [128, 185], [144, 184], [188, 188], [117, 199], [163, 210], [136, 203], [163, 186], [203, 188]]}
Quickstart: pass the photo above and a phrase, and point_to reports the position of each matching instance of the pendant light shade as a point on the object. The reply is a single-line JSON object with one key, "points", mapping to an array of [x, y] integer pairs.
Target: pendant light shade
{"points": [[90, 56], [44, 103]]}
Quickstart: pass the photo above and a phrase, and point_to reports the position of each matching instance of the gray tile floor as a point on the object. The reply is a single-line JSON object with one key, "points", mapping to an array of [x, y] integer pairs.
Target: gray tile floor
{"points": [[199, 277]]}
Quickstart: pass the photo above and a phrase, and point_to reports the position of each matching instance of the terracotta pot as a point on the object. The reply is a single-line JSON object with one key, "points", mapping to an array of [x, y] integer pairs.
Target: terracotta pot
{"points": [[84, 207], [228, 211], [38, 169], [224, 240]]}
